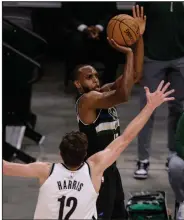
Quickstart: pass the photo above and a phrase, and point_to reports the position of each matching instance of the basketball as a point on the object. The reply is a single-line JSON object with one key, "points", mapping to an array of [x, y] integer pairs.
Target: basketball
{"points": [[123, 29]]}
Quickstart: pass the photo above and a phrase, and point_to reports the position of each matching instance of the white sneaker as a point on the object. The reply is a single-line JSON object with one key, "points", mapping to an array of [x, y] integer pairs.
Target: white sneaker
{"points": [[142, 170]]}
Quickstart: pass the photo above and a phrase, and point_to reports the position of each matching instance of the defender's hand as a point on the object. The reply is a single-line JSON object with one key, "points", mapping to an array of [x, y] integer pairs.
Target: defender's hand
{"points": [[121, 49], [159, 96], [138, 14]]}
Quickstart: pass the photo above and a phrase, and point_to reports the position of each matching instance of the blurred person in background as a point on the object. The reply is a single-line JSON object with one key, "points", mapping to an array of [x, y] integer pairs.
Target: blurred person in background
{"points": [[164, 60], [176, 168]]}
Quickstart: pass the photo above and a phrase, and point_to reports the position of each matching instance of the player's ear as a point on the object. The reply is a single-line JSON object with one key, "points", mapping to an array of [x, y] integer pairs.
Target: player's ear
{"points": [[77, 84]]}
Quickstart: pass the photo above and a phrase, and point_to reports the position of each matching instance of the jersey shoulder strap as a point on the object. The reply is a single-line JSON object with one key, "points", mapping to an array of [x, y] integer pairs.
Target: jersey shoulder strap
{"points": [[52, 168], [77, 101], [89, 169]]}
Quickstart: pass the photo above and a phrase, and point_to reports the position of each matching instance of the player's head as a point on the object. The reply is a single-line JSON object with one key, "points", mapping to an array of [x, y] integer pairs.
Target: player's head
{"points": [[85, 78], [73, 148]]}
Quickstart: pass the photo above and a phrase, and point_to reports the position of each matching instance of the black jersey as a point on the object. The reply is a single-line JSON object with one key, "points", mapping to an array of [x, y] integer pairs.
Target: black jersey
{"points": [[102, 131]]}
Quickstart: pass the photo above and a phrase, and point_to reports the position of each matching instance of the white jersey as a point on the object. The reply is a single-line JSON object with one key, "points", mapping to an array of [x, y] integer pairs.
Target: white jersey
{"points": [[67, 194]]}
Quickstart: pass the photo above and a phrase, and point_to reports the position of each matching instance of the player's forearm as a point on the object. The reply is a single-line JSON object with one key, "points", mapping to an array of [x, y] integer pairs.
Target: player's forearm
{"points": [[125, 82], [108, 156], [113, 151], [132, 130], [138, 59]]}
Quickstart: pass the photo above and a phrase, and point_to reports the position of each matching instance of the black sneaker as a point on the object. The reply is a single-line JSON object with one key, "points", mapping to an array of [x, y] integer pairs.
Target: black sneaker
{"points": [[142, 170]]}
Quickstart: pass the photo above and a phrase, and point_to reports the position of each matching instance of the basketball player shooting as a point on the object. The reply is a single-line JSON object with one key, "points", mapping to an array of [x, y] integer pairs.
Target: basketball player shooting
{"points": [[69, 190], [97, 116]]}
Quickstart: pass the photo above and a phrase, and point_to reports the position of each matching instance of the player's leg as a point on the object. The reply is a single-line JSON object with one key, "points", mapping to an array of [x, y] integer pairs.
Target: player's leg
{"points": [[153, 73], [119, 211], [176, 78], [105, 202]]}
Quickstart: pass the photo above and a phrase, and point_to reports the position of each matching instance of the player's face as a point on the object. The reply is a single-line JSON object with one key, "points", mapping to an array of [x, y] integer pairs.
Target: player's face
{"points": [[88, 79]]}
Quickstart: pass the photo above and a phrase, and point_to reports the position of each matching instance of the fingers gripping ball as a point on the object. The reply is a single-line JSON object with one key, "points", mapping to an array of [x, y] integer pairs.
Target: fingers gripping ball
{"points": [[123, 29]]}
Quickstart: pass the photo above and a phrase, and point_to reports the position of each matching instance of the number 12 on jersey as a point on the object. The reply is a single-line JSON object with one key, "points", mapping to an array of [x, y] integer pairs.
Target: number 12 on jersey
{"points": [[67, 202]]}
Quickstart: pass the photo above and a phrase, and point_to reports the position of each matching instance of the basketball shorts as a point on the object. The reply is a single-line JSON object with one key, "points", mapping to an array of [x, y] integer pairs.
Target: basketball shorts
{"points": [[110, 203]]}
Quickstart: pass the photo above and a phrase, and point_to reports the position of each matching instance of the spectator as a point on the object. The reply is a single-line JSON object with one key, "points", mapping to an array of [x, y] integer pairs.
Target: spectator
{"points": [[164, 59], [87, 41], [176, 168]]}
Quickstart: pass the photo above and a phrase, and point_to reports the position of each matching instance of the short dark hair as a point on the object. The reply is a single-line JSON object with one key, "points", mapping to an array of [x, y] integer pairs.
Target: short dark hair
{"points": [[76, 72], [73, 148]]}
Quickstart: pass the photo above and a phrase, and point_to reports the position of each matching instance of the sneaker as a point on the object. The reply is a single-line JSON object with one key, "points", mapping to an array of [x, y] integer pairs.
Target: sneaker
{"points": [[142, 170]]}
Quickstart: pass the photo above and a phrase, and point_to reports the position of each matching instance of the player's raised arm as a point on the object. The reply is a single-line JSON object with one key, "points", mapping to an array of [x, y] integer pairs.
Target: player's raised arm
{"points": [[138, 14], [105, 158], [127, 77], [121, 90], [32, 170]]}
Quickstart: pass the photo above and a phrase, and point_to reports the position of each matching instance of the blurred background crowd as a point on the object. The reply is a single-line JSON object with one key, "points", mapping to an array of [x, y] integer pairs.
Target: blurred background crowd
{"points": [[35, 33]]}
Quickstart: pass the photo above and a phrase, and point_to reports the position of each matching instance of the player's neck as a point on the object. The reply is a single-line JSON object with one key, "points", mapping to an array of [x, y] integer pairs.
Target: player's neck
{"points": [[74, 168]]}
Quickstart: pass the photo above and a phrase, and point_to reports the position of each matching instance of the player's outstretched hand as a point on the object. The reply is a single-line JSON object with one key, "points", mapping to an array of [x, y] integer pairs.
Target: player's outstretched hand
{"points": [[160, 96], [138, 14], [121, 49]]}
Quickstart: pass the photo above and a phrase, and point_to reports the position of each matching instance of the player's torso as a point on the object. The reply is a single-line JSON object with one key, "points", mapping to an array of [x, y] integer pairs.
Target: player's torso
{"points": [[102, 131], [67, 195]]}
